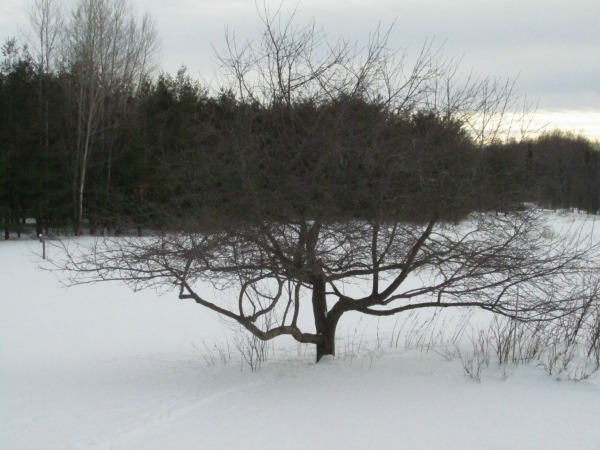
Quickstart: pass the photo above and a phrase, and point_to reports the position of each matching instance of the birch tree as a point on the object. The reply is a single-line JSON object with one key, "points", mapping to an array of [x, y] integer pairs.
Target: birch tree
{"points": [[46, 26], [108, 53]]}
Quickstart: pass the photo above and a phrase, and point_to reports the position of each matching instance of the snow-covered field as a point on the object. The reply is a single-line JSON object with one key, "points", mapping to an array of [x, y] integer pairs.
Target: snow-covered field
{"points": [[100, 367]]}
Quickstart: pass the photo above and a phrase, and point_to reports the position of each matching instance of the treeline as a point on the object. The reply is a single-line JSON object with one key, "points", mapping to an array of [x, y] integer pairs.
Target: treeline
{"points": [[92, 141], [558, 169], [179, 152]]}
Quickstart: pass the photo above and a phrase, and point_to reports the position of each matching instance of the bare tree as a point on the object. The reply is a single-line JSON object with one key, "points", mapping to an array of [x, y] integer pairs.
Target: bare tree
{"points": [[345, 173], [108, 53], [46, 22]]}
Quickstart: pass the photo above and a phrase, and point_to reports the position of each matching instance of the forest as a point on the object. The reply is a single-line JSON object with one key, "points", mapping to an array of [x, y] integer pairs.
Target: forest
{"points": [[94, 139]]}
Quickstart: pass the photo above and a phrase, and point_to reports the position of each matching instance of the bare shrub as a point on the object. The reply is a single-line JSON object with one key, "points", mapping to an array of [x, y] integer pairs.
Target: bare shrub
{"points": [[478, 358], [219, 352], [254, 351]]}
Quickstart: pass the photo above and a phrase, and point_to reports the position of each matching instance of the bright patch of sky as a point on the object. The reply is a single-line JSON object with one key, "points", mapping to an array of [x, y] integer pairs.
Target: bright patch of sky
{"points": [[586, 123]]}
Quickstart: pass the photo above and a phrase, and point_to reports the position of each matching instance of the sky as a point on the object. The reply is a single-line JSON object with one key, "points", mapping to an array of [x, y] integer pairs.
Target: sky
{"points": [[552, 48]]}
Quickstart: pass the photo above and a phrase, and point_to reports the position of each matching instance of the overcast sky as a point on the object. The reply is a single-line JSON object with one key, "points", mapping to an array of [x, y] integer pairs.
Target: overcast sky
{"points": [[553, 47]]}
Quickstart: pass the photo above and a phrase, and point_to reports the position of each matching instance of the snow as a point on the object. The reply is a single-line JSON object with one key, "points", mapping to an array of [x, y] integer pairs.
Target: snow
{"points": [[101, 367]]}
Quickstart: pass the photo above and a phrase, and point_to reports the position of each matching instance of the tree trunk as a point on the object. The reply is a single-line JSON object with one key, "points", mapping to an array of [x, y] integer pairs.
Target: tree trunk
{"points": [[324, 324], [83, 168], [327, 345]]}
